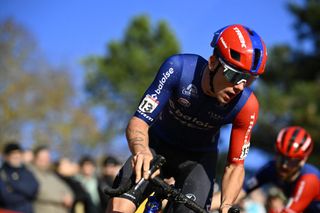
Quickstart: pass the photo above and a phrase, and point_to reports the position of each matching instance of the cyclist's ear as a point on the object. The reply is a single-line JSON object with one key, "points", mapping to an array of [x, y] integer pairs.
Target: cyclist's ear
{"points": [[303, 161], [212, 64], [212, 61]]}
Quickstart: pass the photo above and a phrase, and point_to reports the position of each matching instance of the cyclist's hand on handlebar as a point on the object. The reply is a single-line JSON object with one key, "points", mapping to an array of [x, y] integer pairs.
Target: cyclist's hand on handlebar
{"points": [[223, 210], [141, 164], [229, 209]]}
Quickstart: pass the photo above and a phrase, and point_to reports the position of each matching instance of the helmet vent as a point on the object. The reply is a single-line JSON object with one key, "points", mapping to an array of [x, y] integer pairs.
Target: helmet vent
{"points": [[302, 142], [235, 55], [309, 149], [257, 55], [293, 139]]}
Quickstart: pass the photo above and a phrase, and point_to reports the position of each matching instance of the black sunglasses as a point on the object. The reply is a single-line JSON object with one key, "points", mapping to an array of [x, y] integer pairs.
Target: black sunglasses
{"points": [[235, 76], [289, 162]]}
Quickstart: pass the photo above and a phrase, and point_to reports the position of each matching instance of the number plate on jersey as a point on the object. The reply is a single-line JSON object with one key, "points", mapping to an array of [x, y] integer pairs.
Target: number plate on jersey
{"points": [[148, 104]]}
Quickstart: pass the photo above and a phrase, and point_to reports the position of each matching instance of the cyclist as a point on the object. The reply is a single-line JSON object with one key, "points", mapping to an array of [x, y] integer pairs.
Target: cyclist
{"points": [[299, 181], [181, 113]]}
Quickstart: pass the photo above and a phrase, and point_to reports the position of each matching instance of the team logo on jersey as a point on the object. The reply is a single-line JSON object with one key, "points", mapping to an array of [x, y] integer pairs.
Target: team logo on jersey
{"points": [[187, 120], [249, 130], [184, 102], [191, 196], [163, 80], [215, 116], [191, 90], [246, 142], [252, 182], [145, 115]]}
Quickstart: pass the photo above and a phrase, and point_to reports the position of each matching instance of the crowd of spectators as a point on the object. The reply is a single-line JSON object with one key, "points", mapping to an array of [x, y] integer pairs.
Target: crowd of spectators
{"points": [[31, 182]]}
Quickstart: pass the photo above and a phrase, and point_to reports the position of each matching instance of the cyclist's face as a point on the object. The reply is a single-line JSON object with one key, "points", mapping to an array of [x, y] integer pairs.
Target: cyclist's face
{"points": [[287, 167], [224, 90]]}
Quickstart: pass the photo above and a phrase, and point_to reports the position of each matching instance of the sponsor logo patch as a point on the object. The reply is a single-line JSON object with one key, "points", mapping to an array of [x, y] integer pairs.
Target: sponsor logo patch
{"points": [[191, 196], [246, 142], [145, 115], [215, 116], [163, 80], [191, 90], [188, 120], [240, 36], [223, 42], [252, 182], [184, 102]]}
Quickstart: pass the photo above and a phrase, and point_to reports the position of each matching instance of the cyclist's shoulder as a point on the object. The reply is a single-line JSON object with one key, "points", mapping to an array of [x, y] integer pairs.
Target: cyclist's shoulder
{"points": [[269, 166], [182, 57], [249, 102], [310, 169], [252, 100], [249, 92], [309, 176]]}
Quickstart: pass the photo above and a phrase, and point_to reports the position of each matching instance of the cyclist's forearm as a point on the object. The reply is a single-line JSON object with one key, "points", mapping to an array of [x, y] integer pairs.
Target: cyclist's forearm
{"points": [[216, 199], [231, 184], [137, 135]]}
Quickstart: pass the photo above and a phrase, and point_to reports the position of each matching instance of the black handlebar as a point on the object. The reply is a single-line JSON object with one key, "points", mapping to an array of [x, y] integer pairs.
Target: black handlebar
{"points": [[169, 191], [234, 210], [156, 163], [175, 195]]}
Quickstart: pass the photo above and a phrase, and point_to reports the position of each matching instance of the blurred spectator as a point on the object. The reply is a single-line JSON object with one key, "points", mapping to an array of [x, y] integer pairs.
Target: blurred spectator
{"points": [[54, 195], [27, 156], [18, 186], [88, 179], [109, 170], [67, 170], [255, 202], [275, 200]]}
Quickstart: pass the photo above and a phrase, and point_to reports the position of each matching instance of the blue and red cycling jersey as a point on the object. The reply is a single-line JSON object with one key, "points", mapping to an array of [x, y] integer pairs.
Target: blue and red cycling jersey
{"points": [[181, 114], [303, 193]]}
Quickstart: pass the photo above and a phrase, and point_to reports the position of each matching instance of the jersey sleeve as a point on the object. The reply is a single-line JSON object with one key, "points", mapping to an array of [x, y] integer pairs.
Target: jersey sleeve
{"points": [[306, 190], [241, 131], [160, 90]]}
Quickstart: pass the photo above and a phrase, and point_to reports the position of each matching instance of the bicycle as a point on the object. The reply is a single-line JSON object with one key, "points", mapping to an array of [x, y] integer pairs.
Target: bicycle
{"points": [[162, 191]]}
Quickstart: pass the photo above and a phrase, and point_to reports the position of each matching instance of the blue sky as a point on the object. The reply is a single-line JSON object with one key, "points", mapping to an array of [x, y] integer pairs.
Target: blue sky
{"points": [[70, 30]]}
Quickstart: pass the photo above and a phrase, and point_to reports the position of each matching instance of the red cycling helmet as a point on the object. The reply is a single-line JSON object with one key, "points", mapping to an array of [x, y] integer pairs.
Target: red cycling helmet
{"points": [[294, 142], [241, 48]]}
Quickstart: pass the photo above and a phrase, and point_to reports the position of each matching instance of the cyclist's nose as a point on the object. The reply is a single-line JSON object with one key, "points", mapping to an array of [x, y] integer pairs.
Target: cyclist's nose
{"points": [[239, 87], [284, 165]]}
